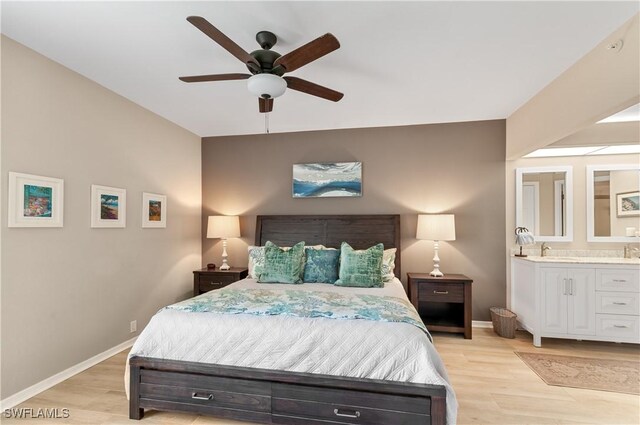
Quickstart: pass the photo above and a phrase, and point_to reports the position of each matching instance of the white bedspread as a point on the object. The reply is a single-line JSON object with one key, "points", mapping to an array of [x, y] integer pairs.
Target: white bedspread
{"points": [[353, 348]]}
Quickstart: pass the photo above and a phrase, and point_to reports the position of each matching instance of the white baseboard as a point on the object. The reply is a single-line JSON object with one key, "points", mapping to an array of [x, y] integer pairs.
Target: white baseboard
{"points": [[481, 324], [36, 389]]}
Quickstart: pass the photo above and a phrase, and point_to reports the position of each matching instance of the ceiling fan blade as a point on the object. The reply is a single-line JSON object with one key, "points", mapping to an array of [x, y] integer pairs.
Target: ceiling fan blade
{"points": [[216, 35], [265, 105], [308, 53], [214, 77], [304, 86]]}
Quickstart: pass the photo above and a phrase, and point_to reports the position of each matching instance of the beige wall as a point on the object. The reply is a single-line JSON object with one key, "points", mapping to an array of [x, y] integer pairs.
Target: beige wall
{"points": [[457, 168], [603, 82], [69, 293]]}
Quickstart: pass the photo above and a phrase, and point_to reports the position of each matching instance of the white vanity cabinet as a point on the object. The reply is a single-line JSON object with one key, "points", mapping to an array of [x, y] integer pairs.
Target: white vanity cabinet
{"points": [[577, 300]]}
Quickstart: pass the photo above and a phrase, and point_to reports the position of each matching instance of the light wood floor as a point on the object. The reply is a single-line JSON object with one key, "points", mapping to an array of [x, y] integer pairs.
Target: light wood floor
{"points": [[492, 384]]}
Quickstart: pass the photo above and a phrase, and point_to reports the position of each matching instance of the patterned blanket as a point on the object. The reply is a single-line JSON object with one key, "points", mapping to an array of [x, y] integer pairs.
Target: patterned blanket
{"points": [[299, 303]]}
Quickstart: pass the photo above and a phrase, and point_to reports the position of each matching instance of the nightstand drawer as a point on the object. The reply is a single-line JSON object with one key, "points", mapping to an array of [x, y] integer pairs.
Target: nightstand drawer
{"points": [[216, 280], [441, 292]]}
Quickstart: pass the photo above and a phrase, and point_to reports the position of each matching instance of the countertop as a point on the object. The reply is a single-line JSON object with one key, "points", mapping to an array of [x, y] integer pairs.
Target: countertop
{"points": [[582, 260]]}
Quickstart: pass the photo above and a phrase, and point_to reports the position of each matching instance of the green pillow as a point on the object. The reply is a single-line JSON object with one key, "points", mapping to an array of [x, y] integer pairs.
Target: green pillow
{"points": [[282, 266], [321, 265], [361, 268]]}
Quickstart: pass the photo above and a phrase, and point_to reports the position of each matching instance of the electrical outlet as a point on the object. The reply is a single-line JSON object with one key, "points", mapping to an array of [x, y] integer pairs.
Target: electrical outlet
{"points": [[133, 326]]}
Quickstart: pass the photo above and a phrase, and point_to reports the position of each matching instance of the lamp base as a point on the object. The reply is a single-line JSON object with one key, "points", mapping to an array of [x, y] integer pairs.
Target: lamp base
{"points": [[436, 261], [224, 265]]}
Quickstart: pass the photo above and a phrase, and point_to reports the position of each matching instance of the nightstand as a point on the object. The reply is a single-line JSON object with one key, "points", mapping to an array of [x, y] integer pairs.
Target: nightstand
{"points": [[205, 280], [444, 303]]}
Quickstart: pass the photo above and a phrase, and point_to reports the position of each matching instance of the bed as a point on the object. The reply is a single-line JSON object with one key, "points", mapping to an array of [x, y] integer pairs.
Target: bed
{"points": [[292, 370]]}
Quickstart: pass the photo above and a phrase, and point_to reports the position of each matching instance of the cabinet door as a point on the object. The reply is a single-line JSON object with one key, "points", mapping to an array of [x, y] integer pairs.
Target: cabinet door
{"points": [[582, 301], [554, 300]]}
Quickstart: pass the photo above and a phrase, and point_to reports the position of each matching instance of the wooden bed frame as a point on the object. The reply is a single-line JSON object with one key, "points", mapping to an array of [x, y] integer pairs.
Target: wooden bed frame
{"points": [[281, 397]]}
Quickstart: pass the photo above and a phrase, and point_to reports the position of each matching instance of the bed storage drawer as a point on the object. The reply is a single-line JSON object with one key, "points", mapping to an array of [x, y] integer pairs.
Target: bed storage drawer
{"points": [[199, 390], [294, 404]]}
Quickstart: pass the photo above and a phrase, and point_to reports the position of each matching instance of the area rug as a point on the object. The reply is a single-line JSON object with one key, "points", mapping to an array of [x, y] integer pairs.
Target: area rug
{"points": [[620, 376]]}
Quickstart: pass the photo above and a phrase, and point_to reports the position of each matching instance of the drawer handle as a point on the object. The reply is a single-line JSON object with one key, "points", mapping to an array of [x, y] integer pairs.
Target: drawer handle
{"points": [[620, 280], [441, 292], [620, 326], [215, 283], [355, 414], [618, 303], [207, 397]]}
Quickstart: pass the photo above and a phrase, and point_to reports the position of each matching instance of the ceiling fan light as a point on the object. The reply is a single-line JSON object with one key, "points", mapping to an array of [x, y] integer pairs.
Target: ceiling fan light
{"points": [[266, 85]]}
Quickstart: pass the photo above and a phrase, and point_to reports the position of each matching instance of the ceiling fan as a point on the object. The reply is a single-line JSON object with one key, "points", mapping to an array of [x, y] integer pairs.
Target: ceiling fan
{"points": [[267, 67]]}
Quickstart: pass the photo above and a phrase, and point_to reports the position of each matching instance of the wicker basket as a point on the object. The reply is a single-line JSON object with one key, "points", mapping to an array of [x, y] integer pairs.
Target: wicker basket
{"points": [[504, 322]]}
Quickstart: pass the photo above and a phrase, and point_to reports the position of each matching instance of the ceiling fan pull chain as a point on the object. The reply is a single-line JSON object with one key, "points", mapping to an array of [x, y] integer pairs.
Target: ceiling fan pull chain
{"points": [[266, 123]]}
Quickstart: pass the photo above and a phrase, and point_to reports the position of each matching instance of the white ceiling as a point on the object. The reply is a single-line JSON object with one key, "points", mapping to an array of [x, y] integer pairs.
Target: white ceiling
{"points": [[400, 63]]}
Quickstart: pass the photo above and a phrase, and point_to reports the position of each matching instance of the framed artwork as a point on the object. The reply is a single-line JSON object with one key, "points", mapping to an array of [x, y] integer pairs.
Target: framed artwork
{"points": [[154, 210], [628, 204], [336, 179], [108, 206], [35, 201]]}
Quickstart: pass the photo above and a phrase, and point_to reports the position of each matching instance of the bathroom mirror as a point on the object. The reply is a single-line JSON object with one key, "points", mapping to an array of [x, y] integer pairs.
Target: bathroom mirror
{"points": [[613, 203], [544, 202]]}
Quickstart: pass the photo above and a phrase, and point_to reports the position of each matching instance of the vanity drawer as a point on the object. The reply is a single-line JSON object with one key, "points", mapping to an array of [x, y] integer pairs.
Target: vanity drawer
{"points": [[625, 327], [618, 302], [441, 292], [292, 403], [626, 280]]}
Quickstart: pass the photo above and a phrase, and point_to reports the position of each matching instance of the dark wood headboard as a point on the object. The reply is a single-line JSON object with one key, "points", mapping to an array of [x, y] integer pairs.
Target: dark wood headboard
{"points": [[359, 231]]}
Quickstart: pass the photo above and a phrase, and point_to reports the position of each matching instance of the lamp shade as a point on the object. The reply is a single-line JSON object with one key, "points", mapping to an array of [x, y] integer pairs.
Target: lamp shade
{"points": [[223, 226], [436, 227], [266, 84]]}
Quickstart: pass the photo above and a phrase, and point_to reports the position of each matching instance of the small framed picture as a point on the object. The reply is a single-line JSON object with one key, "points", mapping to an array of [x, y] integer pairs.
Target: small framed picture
{"points": [[108, 206], [35, 201], [154, 210], [628, 204]]}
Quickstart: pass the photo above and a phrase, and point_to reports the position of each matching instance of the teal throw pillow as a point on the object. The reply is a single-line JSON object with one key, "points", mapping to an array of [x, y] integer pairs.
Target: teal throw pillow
{"points": [[321, 265], [361, 268], [282, 266]]}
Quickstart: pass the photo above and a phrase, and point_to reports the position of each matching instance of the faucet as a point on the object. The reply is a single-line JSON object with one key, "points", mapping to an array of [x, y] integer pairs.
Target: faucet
{"points": [[543, 249], [629, 251]]}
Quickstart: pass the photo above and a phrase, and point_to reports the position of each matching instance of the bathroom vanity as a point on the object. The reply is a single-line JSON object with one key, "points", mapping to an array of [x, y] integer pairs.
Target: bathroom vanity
{"points": [[583, 298]]}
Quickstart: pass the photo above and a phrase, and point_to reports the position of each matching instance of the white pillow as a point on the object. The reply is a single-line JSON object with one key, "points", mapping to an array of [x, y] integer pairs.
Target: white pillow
{"points": [[388, 264]]}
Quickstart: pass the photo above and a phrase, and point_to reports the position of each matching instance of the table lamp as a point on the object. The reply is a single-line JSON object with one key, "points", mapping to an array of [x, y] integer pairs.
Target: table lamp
{"points": [[436, 228], [223, 227], [523, 237]]}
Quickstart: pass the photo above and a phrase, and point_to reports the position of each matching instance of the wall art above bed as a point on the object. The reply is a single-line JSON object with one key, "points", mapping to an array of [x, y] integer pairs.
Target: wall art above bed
{"points": [[35, 201], [108, 206], [336, 179]]}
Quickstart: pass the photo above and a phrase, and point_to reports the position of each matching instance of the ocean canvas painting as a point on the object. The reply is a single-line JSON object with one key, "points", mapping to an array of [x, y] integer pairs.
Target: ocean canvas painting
{"points": [[108, 207], [336, 179], [37, 201]]}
